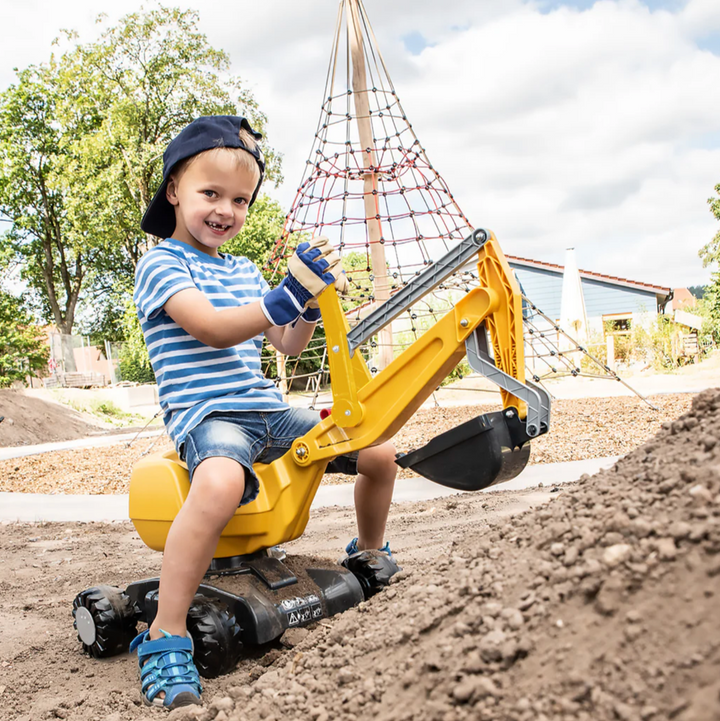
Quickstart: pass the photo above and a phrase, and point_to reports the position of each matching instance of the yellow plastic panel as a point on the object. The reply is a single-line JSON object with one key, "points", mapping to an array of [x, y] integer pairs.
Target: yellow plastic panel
{"points": [[159, 486], [392, 396]]}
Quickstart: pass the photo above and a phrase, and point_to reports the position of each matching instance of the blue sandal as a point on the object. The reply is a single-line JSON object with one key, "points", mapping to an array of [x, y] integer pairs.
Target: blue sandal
{"points": [[166, 664]]}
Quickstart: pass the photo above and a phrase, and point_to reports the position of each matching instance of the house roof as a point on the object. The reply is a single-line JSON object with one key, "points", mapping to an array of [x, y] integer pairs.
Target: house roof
{"points": [[590, 275]]}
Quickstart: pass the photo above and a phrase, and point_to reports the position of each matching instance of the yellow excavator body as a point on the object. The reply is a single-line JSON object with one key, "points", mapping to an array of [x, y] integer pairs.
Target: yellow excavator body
{"points": [[367, 410]]}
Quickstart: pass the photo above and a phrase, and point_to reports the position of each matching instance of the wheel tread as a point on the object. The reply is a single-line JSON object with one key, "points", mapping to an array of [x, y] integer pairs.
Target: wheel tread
{"points": [[115, 617], [216, 635]]}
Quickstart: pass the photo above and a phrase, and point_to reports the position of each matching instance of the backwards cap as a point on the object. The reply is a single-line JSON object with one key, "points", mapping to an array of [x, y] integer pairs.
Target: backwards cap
{"points": [[205, 133]]}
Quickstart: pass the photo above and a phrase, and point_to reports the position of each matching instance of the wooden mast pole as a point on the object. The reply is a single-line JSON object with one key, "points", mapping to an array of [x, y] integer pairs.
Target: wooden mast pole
{"points": [[381, 285]]}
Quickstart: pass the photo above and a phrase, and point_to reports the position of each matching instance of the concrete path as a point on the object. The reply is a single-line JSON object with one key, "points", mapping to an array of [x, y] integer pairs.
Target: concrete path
{"points": [[20, 451], [35, 507], [689, 379]]}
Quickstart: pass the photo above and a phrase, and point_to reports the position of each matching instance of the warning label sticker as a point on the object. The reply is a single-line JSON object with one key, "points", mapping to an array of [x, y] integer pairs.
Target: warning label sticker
{"points": [[302, 609]]}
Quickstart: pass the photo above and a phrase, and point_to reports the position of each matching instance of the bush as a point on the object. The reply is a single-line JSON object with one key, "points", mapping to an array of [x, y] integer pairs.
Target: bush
{"points": [[133, 358], [23, 346], [460, 371], [709, 310], [657, 344]]}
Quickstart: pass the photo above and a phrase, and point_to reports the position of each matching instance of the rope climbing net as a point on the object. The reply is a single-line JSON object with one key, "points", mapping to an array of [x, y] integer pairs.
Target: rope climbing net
{"points": [[370, 187]]}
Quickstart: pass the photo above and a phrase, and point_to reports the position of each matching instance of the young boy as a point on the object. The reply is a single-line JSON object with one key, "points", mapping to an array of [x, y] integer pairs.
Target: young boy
{"points": [[203, 314]]}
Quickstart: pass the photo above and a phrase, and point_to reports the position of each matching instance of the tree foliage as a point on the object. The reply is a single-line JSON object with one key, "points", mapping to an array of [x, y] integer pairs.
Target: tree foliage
{"points": [[23, 346], [697, 290], [710, 253], [53, 256], [359, 273], [709, 305], [709, 309], [263, 226], [82, 137], [134, 360], [150, 76]]}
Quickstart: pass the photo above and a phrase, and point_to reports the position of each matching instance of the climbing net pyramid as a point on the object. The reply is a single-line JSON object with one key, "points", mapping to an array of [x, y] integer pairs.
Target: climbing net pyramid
{"points": [[368, 183], [370, 187]]}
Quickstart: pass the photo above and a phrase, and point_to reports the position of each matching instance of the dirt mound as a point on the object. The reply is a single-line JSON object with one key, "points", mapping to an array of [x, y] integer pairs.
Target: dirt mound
{"points": [[600, 605], [43, 672], [29, 420]]}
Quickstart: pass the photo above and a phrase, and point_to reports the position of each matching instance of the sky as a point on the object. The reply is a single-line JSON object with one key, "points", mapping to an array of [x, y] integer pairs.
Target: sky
{"points": [[592, 125]]}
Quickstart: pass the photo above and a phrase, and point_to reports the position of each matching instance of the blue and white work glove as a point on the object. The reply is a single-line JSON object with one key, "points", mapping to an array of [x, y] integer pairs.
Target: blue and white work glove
{"points": [[313, 267]]}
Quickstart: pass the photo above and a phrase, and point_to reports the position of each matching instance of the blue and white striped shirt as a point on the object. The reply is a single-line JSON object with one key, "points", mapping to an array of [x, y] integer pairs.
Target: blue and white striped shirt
{"points": [[195, 379]]}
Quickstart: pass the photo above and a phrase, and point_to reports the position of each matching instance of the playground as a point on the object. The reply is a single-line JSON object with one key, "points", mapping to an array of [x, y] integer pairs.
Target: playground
{"points": [[552, 550]]}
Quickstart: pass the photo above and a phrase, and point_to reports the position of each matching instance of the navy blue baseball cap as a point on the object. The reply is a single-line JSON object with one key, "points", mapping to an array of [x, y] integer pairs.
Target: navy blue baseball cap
{"points": [[205, 133]]}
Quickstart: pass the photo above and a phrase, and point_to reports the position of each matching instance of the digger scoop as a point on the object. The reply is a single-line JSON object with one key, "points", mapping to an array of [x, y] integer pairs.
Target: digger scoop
{"points": [[488, 449]]}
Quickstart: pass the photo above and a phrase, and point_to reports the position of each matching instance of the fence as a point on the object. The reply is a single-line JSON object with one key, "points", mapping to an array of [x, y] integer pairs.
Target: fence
{"points": [[75, 363]]}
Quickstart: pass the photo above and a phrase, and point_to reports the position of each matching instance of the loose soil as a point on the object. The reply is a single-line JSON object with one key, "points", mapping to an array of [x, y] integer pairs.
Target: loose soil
{"points": [[600, 604], [584, 428], [29, 420], [43, 673]]}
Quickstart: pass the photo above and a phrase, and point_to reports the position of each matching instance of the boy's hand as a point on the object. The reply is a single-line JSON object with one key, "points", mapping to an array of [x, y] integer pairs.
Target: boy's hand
{"points": [[311, 269], [313, 262]]}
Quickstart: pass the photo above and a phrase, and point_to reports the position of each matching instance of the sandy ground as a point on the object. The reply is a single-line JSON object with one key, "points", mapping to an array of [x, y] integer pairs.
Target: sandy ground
{"points": [[599, 605], [581, 429], [43, 673]]}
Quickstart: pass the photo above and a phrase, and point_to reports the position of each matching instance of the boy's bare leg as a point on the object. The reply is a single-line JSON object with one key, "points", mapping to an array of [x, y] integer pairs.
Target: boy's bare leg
{"points": [[217, 488], [373, 493]]}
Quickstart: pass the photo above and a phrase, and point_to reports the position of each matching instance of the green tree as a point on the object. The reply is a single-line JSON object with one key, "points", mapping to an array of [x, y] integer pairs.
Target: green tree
{"points": [[23, 346], [83, 137], [710, 253], [53, 258], [359, 273], [149, 76], [709, 306], [709, 309], [263, 226], [697, 290]]}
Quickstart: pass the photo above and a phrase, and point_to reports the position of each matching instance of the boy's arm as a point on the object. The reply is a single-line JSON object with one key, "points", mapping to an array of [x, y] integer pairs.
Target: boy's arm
{"points": [[281, 314], [216, 327], [291, 339], [226, 327]]}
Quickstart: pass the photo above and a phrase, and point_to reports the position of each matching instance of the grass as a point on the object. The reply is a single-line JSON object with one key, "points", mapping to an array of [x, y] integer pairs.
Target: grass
{"points": [[102, 409]]}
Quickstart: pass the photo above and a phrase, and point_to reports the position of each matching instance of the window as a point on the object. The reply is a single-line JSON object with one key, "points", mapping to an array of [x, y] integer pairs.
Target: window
{"points": [[618, 324]]}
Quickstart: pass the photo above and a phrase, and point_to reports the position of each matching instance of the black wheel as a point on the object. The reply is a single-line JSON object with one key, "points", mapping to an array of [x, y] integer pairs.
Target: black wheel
{"points": [[372, 569], [105, 620], [216, 636]]}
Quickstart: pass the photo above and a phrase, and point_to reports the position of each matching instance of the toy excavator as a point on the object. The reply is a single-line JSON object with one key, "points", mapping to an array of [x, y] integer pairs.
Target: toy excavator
{"points": [[257, 593]]}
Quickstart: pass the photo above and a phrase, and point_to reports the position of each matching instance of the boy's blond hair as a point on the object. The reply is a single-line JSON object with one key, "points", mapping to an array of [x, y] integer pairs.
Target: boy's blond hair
{"points": [[245, 161]]}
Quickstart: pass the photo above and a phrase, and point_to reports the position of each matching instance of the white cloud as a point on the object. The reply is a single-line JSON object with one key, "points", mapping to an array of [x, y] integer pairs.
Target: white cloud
{"points": [[576, 129], [596, 129]]}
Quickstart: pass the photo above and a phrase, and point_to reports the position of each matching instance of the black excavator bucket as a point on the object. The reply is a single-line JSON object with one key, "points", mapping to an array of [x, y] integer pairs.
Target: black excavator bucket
{"points": [[488, 449]]}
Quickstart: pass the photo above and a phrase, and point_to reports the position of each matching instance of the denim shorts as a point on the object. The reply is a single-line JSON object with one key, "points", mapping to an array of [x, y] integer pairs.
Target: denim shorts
{"points": [[249, 437]]}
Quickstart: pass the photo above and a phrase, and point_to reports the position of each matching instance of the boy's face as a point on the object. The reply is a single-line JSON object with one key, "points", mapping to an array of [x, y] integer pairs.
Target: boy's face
{"points": [[211, 200]]}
